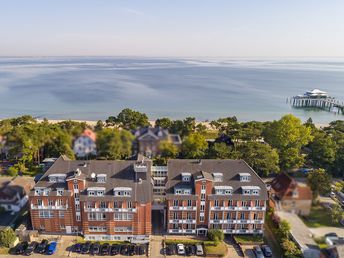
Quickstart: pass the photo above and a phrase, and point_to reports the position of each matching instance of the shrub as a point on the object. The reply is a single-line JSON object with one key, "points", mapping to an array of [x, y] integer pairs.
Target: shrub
{"points": [[7, 237], [290, 249], [215, 235], [12, 171]]}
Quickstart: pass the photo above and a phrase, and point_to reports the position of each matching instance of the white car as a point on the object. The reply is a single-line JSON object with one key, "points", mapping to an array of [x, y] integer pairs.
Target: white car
{"points": [[180, 249]]}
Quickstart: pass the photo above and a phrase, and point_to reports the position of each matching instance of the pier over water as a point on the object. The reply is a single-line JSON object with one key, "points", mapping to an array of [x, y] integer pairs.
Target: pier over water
{"points": [[317, 99]]}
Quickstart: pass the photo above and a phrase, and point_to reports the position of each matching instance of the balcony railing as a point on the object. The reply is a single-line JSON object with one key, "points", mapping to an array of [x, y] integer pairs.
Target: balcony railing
{"points": [[182, 231], [181, 208], [237, 208], [54, 207]]}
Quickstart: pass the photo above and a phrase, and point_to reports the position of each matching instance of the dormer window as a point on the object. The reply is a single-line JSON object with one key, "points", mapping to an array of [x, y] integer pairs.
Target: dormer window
{"points": [[223, 190], [59, 192], [101, 178], [122, 191], [250, 190], [182, 191], [186, 177], [245, 177], [60, 178], [218, 177], [95, 191]]}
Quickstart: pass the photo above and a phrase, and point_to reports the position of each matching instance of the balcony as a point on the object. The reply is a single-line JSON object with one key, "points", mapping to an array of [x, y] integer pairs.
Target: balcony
{"points": [[237, 208], [182, 231], [189, 221], [182, 208], [125, 209], [216, 221], [55, 207], [175, 221]]}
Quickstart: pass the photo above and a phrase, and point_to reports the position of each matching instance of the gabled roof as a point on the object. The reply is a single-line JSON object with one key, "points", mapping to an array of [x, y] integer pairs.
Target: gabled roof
{"points": [[285, 186], [157, 133], [90, 134], [204, 169]]}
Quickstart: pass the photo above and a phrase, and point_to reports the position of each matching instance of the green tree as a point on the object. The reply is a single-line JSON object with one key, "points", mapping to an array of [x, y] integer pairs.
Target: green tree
{"points": [[99, 126], [164, 122], [290, 249], [194, 146], [288, 135], [229, 126], [128, 119], [7, 237], [168, 150], [215, 235], [261, 157], [319, 181], [222, 151], [337, 213], [323, 150], [114, 143]]}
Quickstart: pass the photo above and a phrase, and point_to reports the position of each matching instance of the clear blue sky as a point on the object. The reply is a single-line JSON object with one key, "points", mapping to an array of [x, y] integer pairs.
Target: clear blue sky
{"points": [[226, 28]]}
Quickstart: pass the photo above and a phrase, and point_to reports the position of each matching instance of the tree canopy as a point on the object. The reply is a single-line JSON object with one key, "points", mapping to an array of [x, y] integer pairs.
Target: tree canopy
{"points": [[128, 119], [194, 146]]}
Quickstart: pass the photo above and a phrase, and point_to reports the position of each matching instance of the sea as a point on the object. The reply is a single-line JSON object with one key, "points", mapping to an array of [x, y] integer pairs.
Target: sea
{"points": [[92, 88]]}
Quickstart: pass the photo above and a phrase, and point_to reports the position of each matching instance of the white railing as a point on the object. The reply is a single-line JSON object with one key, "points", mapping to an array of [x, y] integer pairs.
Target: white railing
{"points": [[181, 208], [175, 221], [237, 208], [182, 231], [42, 207]]}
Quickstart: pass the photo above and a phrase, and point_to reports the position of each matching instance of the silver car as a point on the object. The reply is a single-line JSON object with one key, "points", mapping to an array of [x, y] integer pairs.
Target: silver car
{"points": [[258, 252]]}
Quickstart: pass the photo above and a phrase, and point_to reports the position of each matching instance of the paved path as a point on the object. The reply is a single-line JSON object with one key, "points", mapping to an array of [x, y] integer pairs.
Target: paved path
{"points": [[156, 247], [319, 232], [301, 234]]}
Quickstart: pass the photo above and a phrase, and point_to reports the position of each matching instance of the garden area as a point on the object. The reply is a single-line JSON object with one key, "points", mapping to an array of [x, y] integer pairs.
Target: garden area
{"points": [[249, 239], [319, 217]]}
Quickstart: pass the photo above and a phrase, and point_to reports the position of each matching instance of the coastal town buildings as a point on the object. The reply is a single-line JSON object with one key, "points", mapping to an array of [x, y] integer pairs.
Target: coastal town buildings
{"points": [[14, 193], [147, 140], [291, 196], [128, 200], [85, 145]]}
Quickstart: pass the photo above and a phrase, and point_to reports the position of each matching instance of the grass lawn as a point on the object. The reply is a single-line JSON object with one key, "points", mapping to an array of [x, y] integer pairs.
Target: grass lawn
{"points": [[319, 217], [219, 250], [249, 239]]}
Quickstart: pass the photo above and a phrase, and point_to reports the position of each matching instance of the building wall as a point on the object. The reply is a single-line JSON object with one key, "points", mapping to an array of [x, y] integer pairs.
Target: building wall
{"points": [[301, 207]]}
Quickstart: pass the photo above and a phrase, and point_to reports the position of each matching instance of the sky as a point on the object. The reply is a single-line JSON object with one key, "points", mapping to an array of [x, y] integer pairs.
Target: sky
{"points": [[178, 28]]}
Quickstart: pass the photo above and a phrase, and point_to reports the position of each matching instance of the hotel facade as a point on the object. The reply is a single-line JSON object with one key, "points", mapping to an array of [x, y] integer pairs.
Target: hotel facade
{"points": [[129, 200]]}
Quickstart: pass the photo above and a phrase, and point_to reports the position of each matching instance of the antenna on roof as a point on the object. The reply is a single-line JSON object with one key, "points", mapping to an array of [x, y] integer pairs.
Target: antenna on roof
{"points": [[93, 175]]}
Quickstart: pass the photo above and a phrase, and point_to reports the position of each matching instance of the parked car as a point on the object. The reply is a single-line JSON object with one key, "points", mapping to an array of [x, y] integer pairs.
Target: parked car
{"points": [[199, 250], [171, 250], [77, 248], [140, 249], [266, 250], [31, 248], [21, 248], [52, 248], [192, 249], [95, 249], [105, 249], [115, 249], [180, 249], [124, 250], [132, 250], [85, 248], [258, 252], [41, 248]]}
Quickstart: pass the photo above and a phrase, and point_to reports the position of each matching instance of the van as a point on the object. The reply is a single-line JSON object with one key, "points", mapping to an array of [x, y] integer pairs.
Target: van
{"points": [[199, 250]]}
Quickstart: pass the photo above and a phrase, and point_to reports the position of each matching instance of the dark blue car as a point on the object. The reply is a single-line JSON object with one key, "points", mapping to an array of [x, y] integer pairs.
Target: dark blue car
{"points": [[51, 248]]}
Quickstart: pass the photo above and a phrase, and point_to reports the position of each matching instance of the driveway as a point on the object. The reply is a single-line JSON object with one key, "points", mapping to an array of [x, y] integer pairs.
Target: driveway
{"points": [[299, 230], [319, 232]]}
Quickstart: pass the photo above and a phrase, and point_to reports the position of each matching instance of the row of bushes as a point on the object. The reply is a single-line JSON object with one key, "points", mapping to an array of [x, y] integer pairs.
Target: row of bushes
{"points": [[281, 230]]}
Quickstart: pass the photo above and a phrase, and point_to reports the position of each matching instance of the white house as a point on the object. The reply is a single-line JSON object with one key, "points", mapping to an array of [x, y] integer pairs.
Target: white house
{"points": [[85, 144]]}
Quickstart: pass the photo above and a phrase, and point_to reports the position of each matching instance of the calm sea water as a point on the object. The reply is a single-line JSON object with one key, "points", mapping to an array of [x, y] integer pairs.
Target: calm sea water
{"points": [[94, 88]]}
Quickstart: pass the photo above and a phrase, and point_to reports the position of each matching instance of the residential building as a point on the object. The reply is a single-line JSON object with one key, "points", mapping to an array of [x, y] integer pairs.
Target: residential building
{"points": [[85, 145], [14, 193], [290, 195], [147, 140], [214, 194], [125, 200], [101, 199]]}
